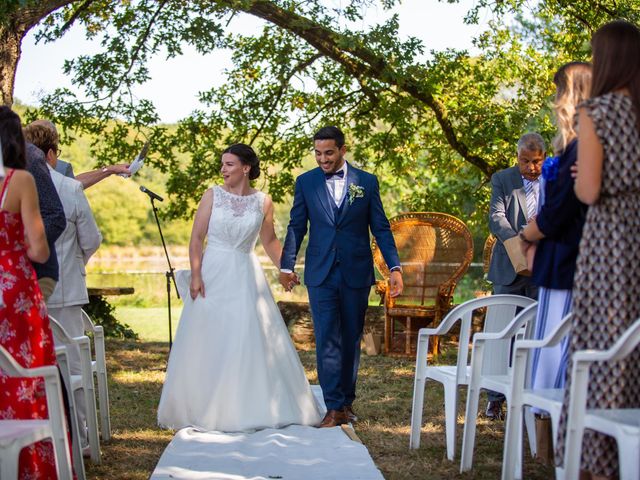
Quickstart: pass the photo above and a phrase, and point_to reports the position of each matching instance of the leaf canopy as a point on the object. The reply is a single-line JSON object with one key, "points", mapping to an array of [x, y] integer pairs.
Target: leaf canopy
{"points": [[433, 129]]}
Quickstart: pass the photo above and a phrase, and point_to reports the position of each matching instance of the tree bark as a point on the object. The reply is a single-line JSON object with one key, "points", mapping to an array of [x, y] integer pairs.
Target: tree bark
{"points": [[9, 56], [13, 29]]}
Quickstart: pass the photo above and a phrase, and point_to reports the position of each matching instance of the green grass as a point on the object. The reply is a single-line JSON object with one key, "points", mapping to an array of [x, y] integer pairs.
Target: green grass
{"points": [[136, 373], [151, 324]]}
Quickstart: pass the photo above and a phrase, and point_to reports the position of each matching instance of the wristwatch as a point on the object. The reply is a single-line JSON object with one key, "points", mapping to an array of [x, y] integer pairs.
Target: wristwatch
{"points": [[105, 170]]}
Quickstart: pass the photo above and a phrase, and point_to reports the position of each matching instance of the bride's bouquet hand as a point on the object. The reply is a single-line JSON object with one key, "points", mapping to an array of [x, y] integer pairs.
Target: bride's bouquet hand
{"points": [[196, 287]]}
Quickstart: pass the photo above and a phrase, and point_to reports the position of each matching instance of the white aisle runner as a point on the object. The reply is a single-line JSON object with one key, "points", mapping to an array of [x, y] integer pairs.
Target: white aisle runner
{"points": [[291, 453]]}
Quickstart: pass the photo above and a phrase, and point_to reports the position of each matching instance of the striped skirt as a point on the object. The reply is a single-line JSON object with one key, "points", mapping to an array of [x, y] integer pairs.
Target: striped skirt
{"points": [[548, 369]]}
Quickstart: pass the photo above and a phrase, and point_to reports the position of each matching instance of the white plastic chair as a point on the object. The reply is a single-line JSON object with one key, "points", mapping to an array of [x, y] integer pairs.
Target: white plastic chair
{"points": [[83, 381], [99, 368], [490, 370], [76, 447], [501, 309], [622, 424], [549, 399], [17, 434]]}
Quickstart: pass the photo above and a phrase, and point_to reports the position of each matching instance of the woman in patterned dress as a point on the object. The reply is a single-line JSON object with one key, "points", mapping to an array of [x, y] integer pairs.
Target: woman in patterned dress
{"points": [[607, 281], [24, 325]]}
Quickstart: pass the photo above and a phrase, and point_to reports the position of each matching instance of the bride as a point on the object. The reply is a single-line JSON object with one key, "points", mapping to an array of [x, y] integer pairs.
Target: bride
{"points": [[233, 366]]}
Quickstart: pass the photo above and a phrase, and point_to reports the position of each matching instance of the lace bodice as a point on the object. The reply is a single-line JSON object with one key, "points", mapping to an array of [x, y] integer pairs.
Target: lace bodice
{"points": [[235, 220]]}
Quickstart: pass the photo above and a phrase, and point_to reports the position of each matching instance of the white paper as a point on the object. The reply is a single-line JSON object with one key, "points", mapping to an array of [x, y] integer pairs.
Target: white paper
{"points": [[136, 165], [138, 162]]}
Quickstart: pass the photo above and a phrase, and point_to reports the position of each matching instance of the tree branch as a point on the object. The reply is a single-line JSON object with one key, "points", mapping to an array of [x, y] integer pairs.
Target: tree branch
{"points": [[134, 54], [30, 15], [358, 61], [76, 14], [139, 44], [283, 85]]}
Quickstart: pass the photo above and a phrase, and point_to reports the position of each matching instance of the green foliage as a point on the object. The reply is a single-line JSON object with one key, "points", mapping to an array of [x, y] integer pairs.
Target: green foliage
{"points": [[103, 313], [123, 213], [434, 131], [125, 217], [120, 212]]}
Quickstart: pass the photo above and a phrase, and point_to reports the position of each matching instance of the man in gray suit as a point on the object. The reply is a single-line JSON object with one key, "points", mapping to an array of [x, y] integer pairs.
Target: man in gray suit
{"points": [[514, 200], [515, 192]]}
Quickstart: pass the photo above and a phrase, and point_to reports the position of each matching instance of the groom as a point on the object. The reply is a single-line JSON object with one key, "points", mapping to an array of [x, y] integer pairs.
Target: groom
{"points": [[341, 204]]}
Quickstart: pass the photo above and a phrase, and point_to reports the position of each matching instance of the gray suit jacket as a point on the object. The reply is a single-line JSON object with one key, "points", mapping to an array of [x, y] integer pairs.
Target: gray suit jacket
{"points": [[507, 214], [80, 239], [65, 169]]}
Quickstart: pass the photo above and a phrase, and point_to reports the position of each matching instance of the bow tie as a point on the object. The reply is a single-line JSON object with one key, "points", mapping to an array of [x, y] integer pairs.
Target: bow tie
{"points": [[339, 173]]}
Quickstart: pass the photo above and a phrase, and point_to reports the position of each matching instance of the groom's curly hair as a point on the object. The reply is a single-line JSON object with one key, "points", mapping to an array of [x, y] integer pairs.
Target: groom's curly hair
{"points": [[330, 133], [247, 157]]}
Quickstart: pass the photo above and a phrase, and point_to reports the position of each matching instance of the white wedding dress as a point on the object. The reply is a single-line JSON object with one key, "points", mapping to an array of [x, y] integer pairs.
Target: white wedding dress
{"points": [[232, 366]]}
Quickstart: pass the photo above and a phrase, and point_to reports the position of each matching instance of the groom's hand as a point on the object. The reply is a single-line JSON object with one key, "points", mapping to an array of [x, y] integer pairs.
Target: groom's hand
{"points": [[395, 282], [288, 280]]}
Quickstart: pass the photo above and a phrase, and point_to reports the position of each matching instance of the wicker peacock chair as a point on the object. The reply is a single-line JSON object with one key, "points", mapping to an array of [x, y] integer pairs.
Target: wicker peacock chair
{"points": [[435, 251], [487, 252]]}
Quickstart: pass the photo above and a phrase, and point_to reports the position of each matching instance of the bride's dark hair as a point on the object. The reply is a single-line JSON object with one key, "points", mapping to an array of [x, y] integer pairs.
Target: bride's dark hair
{"points": [[247, 157]]}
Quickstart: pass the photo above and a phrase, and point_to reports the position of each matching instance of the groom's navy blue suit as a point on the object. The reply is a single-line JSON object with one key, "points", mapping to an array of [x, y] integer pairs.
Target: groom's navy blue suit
{"points": [[338, 270]]}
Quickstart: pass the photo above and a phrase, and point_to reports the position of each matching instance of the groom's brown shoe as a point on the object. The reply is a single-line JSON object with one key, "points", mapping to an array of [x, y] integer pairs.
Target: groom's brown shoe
{"points": [[333, 418], [351, 415]]}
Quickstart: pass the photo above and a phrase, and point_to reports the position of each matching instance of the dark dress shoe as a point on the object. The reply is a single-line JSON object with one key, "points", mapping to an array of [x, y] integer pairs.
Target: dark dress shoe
{"points": [[351, 415], [494, 410], [333, 418]]}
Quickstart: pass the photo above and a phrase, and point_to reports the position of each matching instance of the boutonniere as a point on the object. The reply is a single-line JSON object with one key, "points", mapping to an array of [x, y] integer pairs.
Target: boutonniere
{"points": [[355, 191], [550, 168]]}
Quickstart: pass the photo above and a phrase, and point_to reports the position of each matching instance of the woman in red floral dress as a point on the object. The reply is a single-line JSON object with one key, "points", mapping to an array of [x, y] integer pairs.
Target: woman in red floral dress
{"points": [[24, 325]]}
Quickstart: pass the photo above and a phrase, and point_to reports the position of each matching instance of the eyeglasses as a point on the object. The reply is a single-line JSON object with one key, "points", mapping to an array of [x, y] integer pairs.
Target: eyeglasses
{"points": [[55, 150]]}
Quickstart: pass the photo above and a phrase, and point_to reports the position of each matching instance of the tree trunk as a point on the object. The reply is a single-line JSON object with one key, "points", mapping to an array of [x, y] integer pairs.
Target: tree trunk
{"points": [[13, 28], [9, 56]]}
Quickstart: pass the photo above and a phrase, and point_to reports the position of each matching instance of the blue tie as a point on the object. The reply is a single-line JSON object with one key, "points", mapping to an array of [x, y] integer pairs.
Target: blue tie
{"points": [[532, 203]]}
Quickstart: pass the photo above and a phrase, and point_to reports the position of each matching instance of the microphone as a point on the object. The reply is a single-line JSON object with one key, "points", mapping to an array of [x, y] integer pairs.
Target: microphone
{"points": [[153, 196]]}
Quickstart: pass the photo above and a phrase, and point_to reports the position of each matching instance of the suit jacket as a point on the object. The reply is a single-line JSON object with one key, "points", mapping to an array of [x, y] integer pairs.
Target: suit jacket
{"points": [[50, 209], [344, 239], [561, 219], [64, 168], [507, 214], [80, 239]]}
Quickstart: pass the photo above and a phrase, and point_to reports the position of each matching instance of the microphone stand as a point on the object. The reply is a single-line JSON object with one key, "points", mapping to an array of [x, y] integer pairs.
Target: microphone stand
{"points": [[168, 274]]}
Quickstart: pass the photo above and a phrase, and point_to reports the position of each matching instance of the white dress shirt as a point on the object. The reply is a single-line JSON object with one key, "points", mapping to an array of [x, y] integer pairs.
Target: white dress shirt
{"points": [[336, 185]]}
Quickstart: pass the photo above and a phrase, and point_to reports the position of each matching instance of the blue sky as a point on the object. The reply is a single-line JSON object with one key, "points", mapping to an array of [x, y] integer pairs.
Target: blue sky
{"points": [[438, 25]]}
